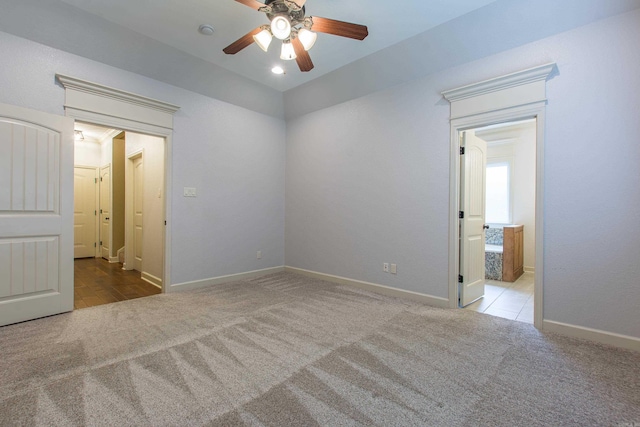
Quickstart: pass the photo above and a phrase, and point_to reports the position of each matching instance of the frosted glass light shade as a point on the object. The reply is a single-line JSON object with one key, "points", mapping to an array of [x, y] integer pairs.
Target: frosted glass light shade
{"points": [[307, 38], [263, 39], [281, 27], [288, 53]]}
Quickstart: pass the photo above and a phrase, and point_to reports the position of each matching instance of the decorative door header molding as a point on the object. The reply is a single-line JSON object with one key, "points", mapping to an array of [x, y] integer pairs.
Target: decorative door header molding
{"points": [[512, 90], [84, 99]]}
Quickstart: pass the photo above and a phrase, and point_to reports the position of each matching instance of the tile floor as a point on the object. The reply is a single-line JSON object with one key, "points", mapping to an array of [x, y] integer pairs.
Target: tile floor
{"points": [[509, 300], [98, 282]]}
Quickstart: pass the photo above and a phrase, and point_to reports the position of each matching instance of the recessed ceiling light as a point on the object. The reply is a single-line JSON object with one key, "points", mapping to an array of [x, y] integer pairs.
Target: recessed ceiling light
{"points": [[205, 29], [277, 70]]}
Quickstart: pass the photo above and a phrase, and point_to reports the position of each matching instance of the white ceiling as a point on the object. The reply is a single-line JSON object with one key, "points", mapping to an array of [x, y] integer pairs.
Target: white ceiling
{"points": [[176, 22], [93, 133]]}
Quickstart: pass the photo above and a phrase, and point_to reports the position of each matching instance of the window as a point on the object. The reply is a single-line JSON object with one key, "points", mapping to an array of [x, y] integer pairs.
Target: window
{"points": [[498, 207]]}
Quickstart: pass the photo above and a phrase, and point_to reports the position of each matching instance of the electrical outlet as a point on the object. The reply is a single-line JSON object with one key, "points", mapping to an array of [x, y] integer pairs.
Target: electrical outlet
{"points": [[394, 268], [189, 192], [385, 267], [259, 254]]}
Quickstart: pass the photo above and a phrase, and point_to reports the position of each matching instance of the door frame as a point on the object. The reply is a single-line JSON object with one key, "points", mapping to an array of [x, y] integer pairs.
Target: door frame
{"points": [[129, 231], [536, 111], [106, 106], [516, 96], [96, 205]]}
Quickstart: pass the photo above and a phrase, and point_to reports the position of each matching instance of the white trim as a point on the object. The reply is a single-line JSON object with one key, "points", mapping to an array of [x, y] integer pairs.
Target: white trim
{"points": [[116, 94], [531, 111], [519, 78], [197, 284], [603, 337], [150, 278], [513, 97], [113, 259], [374, 287], [102, 105], [529, 269], [503, 93]]}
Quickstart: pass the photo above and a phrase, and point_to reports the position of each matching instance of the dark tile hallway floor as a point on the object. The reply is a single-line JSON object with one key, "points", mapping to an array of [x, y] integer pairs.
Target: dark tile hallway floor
{"points": [[99, 282]]}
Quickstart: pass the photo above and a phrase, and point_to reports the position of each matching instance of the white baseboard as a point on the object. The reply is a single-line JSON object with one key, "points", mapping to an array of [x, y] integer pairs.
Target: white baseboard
{"points": [[529, 269], [150, 278], [610, 338], [373, 287], [113, 259], [196, 284]]}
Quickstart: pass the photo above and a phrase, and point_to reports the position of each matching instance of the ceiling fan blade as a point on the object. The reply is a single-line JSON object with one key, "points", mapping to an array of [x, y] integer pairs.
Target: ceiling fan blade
{"points": [[339, 28], [302, 56], [253, 4], [241, 43]]}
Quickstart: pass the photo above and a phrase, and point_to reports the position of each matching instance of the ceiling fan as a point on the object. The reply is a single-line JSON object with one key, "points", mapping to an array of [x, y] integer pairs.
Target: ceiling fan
{"points": [[289, 24]]}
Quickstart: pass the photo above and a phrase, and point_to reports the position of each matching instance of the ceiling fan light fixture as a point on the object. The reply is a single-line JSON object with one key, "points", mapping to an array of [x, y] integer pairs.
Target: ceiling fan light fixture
{"points": [[307, 38], [287, 53], [281, 27], [263, 38]]}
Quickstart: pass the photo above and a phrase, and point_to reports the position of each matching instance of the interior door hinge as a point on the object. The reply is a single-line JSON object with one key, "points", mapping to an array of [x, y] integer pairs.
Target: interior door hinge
{"points": [[461, 214], [95, 180], [460, 278], [95, 244], [165, 223], [462, 151]]}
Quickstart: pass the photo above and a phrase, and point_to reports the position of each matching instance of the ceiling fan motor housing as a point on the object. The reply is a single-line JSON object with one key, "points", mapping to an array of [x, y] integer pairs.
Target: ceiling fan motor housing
{"points": [[275, 8]]}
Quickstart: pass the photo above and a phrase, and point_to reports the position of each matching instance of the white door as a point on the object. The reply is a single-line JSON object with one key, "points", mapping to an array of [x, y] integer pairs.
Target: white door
{"points": [[105, 209], [84, 212], [472, 205], [36, 214], [138, 194]]}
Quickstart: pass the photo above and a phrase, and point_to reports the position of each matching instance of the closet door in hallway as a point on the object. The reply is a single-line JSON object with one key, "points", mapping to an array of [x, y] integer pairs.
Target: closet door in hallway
{"points": [[138, 197], [105, 211], [84, 212]]}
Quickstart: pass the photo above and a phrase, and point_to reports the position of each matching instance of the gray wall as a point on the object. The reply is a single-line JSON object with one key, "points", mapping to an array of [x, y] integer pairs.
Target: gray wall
{"points": [[233, 156], [368, 180]]}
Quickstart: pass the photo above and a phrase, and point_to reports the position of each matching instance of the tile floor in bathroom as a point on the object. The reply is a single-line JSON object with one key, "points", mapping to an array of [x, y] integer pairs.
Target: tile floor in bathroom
{"points": [[509, 300]]}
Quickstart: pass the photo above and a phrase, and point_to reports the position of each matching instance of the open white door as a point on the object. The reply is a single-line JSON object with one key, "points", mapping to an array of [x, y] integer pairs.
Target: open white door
{"points": [[472, 206], [36, 214]]}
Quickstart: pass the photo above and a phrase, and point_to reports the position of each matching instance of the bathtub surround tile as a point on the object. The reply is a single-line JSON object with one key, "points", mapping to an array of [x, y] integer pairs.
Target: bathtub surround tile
{"points": [[494, 236], [493, 265]]}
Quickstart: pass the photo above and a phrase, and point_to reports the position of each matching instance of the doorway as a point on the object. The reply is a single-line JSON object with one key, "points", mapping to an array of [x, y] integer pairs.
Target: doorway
{"points": [[497, 237], [102, 276]]}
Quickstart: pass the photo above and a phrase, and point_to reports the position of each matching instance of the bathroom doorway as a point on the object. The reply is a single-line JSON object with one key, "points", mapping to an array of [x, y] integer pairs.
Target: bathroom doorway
{"points": [[497, 219]]}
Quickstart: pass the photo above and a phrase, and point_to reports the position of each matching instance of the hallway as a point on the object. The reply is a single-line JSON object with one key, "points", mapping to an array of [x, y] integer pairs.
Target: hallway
{"points": [[98, 282]]}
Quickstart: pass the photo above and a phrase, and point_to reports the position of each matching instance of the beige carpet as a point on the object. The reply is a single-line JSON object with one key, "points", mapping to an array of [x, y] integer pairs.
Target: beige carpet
{"points": [[288, 350]]}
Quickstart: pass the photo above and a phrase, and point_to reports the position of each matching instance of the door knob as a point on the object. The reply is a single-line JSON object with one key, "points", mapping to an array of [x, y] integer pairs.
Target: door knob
{"points": [[106, 219], [486, 226]]}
